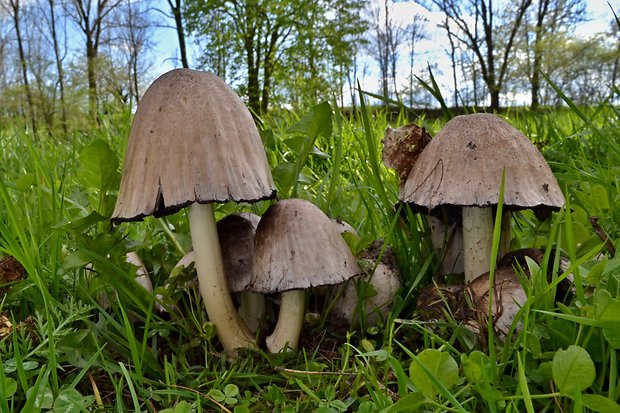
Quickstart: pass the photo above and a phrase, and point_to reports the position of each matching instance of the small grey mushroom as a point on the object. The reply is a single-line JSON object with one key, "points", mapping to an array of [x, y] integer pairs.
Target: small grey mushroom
{"points": [[297, 247], [236, 234], [384, 279]]}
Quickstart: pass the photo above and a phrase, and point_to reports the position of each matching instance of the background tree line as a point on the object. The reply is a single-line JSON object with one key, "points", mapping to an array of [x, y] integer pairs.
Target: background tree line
{"points": [[64, 63]]}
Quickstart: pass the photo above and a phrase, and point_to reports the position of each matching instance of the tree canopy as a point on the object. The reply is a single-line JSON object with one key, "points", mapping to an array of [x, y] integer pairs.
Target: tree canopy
{"points": [[64, 63]]}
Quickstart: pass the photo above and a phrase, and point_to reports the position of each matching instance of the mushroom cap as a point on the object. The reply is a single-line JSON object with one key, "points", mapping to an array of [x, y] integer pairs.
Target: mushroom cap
{"points": [[297, 246], [236, 235], [192, 140], [462, 166]]}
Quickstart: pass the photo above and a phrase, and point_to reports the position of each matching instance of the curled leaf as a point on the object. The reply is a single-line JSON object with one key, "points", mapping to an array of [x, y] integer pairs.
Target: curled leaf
{"points": [[401, 147]]}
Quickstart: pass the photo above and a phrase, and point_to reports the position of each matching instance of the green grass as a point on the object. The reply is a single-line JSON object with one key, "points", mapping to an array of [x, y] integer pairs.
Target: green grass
{"points": [[68, 353]]}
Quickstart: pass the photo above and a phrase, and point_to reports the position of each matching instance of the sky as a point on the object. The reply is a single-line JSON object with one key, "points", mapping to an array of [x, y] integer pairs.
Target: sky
{"points": [[431, 50]]}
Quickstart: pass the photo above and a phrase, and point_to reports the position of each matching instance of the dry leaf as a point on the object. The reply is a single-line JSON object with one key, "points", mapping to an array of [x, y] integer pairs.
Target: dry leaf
{"points": [[5, 327], [402, 146], [11, 270]]}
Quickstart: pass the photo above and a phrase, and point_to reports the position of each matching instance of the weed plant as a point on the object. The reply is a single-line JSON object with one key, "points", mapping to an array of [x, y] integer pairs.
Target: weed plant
{"points": [[69, 349]]}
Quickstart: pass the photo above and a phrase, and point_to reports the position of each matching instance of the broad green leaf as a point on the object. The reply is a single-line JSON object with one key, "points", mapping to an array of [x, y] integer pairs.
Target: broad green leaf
{"points": [[284, 174], [98, 167], [600, 403], [268, 138], [274, 394], [471, 370], [76, 259], [441, 366], [180, 407], [231, 390], [410, 403], [80, 225], [44, 399], [9, 387], [217, 395], [25, 182], [608, 309], [573, 370], [11, 365], [298, 143], [477, 370], [71, 401], [595, 274], [316, 123], [612, 335]]}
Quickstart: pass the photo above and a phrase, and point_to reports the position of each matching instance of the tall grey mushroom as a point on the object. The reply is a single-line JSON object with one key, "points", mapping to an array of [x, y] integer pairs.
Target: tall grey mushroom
{"points": [[296, 247], [461, 169], [193, 142]]}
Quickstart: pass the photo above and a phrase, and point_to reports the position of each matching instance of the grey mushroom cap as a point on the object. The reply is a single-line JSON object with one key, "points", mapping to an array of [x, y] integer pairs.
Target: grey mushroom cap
{"points": [[462, 166], [236, 235], [296, 247], [192, 140]]}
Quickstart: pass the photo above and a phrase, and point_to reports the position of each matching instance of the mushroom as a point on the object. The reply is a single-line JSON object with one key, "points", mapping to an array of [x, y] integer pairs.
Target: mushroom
{"points": [[461, 170], [469, 304], [384, 278], [296, 247], [236, 234], [192, 143]]}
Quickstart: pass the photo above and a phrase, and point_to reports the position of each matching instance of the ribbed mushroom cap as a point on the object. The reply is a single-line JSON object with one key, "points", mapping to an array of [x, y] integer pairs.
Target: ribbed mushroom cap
{"points": [[462, 166], [297, 246], [192, 140], [236, 235]]}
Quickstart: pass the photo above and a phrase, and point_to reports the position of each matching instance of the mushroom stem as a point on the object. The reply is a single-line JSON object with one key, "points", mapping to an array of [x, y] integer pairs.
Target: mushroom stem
{"points": [[231, 330], [477, 241], [506, 236], [251, 309], [290, 320]]}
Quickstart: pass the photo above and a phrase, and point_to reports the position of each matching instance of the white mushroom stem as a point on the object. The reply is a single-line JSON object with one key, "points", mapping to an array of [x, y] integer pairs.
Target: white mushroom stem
{"points": [[477, 241], [231, 330], [251, 309], [142, 277], [290, 322]]}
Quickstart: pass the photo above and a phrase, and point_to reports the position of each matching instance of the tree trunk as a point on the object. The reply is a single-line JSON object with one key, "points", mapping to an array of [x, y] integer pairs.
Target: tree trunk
{"points": [[542, 12], [59, 68], [494, 99], [453, 62], [22, 61], [253, 75], [178, 21], [268, 69], [91, 62]]}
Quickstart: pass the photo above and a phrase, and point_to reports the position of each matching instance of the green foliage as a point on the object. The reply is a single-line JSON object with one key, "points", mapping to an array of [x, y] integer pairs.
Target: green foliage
{"points": [[573, 370], [433, 371], [70, 351], [291, 51]]}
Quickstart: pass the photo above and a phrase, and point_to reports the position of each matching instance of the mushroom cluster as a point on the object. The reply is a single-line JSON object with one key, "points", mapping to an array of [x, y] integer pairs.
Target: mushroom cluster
{"points": [[192, 143], [458, 175], [456, 180]]}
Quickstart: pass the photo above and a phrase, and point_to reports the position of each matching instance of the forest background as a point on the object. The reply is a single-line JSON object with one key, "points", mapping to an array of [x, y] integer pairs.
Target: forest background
{"points": [[64, 63]]}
